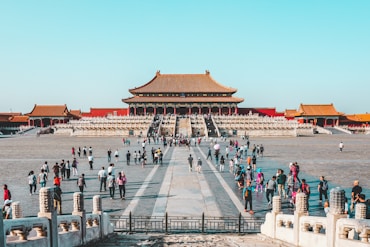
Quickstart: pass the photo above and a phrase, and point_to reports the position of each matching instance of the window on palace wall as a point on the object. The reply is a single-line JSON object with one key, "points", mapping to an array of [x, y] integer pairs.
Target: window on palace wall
{"points": [[182, 95], [140, 94], [224, 94], [160, 94]]}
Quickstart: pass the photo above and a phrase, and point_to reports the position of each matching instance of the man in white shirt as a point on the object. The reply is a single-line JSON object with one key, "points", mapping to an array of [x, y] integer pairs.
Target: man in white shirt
{"points": [[102, 175]]}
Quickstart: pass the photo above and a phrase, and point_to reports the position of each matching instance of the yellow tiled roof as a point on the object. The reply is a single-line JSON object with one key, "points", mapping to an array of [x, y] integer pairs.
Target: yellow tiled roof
{"points": [[138, 99], [182, 83], [49, 111], [318, 110], [291, 113], [19, 119], [359, 117]]}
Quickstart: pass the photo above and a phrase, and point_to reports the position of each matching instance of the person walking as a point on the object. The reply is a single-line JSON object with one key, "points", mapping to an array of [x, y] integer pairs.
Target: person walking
{"points": [[74, 167], [222, 163], [281, 180], [109, 152], [270, 189], [45, 167], [111, 185], [199, 165], [102, 176], [7, 194], [323, 189], [121, 181], [62, 167], [116, 155], [135, 157], [190, 161], [90, 158], [32, 180], [42, 178], [341, 146], [111, 169], [7, 209], [56, 169], [254, 162], [209, 155], [58, 199], [128, 157], [260, 180], [247, 194], [81, 182], [68, 169]]}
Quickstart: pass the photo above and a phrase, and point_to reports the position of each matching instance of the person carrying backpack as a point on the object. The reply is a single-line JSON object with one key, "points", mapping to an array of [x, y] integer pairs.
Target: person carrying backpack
{"points": [[323, 188], [247, 194]]}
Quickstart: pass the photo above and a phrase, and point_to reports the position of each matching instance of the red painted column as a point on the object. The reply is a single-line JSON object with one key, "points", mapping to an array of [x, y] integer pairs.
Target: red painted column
{"points": [[200, 110], [229, 110], [155, 110], [164, 110], [135, 111], [219, 110], [189, 111], [144, 111], [174, 110]]}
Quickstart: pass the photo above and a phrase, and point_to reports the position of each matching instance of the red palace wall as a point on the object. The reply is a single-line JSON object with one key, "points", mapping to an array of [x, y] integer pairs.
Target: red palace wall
{"points": [[271, 112], [104, 112]]}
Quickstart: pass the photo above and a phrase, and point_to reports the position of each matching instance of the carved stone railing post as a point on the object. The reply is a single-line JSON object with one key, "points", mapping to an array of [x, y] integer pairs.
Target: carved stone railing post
{"points": [[300, 210], [360, 211], [97, 209], [46, 198], [97, 205], [337, 201], [16, 210], [276, 204], [276, 209], [78, 209]]}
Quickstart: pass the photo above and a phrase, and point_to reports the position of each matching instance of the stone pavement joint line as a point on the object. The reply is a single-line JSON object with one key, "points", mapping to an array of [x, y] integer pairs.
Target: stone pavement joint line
{"points": [[135, 201], [183, 191], [229, 191]]}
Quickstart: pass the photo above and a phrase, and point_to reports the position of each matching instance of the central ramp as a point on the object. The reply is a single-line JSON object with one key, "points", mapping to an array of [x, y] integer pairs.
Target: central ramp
{"points": [[184, 192]]}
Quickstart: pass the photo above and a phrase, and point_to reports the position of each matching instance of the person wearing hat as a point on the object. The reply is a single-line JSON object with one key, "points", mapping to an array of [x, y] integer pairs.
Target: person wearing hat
{"points": [[7, 209]]}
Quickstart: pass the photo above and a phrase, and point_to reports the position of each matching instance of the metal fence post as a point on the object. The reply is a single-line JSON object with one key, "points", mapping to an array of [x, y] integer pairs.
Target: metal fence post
{"points": [[166, 223], [240, 223], [130, 222], [203, 222]]}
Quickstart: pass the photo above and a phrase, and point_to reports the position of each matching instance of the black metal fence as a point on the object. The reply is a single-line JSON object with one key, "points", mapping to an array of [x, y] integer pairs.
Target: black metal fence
{"points": [[178, 224]]}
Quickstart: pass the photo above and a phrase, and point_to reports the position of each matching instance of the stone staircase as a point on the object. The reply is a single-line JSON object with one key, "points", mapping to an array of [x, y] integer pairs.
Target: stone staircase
{"points": [[211, 128], [183, 127]]}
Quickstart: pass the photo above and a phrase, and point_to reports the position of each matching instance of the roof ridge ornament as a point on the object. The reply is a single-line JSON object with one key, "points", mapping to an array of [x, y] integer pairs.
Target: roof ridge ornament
{"points": [[207, 72], [158, 72]]}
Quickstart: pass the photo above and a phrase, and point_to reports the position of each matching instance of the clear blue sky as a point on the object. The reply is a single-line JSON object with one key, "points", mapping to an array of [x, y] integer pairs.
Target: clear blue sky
{"points": [[276, 53]]}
